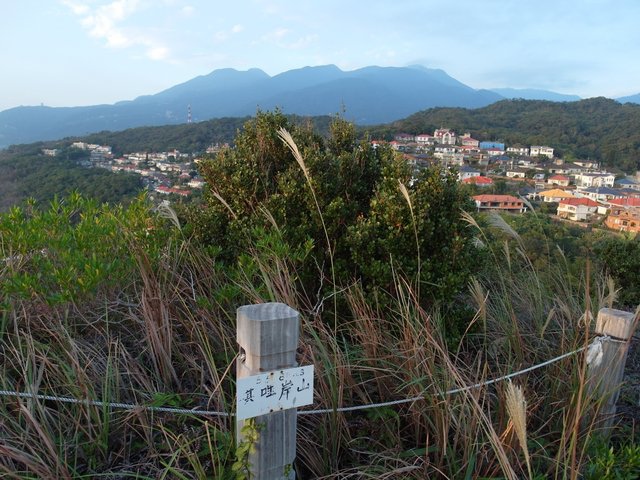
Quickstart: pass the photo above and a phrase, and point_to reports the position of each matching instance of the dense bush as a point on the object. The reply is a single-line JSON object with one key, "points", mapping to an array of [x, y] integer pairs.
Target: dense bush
{"points": [[620, 257], [358, 210], [72, 248]]}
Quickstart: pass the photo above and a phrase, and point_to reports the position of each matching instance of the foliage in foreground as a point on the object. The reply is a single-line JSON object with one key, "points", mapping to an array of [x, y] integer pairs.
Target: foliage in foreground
{"points": [[72, 248], [166, 337]]}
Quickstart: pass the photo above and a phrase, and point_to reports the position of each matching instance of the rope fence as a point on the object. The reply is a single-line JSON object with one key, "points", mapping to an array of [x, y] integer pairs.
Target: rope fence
{"points": [[594, 347]]}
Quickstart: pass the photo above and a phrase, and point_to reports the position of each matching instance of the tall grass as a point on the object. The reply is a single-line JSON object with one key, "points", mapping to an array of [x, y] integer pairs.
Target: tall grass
{"points": [[166, 337]]}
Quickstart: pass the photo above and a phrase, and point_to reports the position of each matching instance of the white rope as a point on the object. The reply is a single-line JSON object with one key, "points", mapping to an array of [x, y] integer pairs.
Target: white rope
{"points": [[123, 406], [448, 392], [187, 411]]}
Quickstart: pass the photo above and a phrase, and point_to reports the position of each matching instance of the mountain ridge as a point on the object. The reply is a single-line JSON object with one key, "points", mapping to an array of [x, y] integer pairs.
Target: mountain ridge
{"points": [[368, 96]]}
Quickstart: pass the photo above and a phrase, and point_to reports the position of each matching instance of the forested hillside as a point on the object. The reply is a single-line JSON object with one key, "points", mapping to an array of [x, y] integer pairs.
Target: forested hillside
{"points": [[29, 174], [187, 137], [597, 128], [26, 172]]}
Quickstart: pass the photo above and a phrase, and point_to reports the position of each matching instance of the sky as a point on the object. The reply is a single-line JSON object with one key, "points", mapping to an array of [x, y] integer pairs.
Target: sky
{"points": [[86, 52]]}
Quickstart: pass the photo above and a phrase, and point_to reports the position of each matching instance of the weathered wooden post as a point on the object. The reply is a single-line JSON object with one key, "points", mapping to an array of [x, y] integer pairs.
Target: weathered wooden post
{"points": [[605, 376], [268, 337]]}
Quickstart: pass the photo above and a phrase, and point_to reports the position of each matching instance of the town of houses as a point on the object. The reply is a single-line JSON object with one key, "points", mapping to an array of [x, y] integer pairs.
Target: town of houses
{"points": [[166, 173], [582, 191]]}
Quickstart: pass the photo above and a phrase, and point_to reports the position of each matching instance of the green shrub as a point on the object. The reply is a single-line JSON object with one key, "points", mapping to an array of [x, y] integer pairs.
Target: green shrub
{"points": [[72, 248], [614, 463], [620, 257], [345, 199]]}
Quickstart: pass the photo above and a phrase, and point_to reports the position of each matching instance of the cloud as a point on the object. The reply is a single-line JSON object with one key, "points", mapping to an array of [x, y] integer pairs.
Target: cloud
{"points": [[104, 22], [187, 11], [302, 42], [276, 35], [76, 8], [223, 35], [158, 53], [282, 38]]}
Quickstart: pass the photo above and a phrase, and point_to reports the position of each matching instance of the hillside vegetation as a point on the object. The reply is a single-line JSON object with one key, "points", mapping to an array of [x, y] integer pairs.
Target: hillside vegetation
{"points": [[597, 128], [403, 293], [27, 173], [189, 138]]}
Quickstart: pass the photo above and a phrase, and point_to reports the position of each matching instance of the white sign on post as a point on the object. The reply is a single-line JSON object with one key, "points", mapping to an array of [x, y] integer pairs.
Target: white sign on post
{"points": [[274, 391]]}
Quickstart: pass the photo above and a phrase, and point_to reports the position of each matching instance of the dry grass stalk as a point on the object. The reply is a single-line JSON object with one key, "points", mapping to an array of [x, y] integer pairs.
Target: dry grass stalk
{"points": [[517, 409]]}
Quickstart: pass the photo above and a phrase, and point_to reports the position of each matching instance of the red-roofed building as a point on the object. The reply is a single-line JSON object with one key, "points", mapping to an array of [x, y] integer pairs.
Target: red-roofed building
{"points": [[629, 202], [494, 152], [577, 209], [561, 180], [479, 181], [502, 203], [467, 141]]}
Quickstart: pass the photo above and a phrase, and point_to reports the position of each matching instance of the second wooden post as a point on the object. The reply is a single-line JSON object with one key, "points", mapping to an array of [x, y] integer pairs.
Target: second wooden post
{"points": [[606, 375]]}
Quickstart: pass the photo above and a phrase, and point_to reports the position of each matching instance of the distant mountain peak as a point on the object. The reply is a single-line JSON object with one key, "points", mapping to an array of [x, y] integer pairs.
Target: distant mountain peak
{"points": [[369, 95], [535, 94], [629, 99]]}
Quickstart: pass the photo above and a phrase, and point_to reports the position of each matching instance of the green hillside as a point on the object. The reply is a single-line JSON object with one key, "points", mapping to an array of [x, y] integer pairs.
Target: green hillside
{"points": [[26, 172], [29, 174], [597, 128]]}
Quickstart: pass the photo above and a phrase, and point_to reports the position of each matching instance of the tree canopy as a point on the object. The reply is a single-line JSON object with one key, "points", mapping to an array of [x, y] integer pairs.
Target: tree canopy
{"points": [[347, 210]]}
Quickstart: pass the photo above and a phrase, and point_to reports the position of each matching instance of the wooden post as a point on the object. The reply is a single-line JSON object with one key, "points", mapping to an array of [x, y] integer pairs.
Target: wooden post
{"points": [[268, 337], [605, 378]]}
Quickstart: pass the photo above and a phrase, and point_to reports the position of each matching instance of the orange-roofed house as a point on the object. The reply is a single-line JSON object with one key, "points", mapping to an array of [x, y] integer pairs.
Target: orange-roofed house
{"points": [[577, 209], [502, 203], [624, 215], [555, 195]]}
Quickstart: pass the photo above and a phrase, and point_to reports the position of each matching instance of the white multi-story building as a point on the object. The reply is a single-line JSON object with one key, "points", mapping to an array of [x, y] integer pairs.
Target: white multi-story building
{"points": [[523, 151], [425, 139], [536, 150], [587, 180]]}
